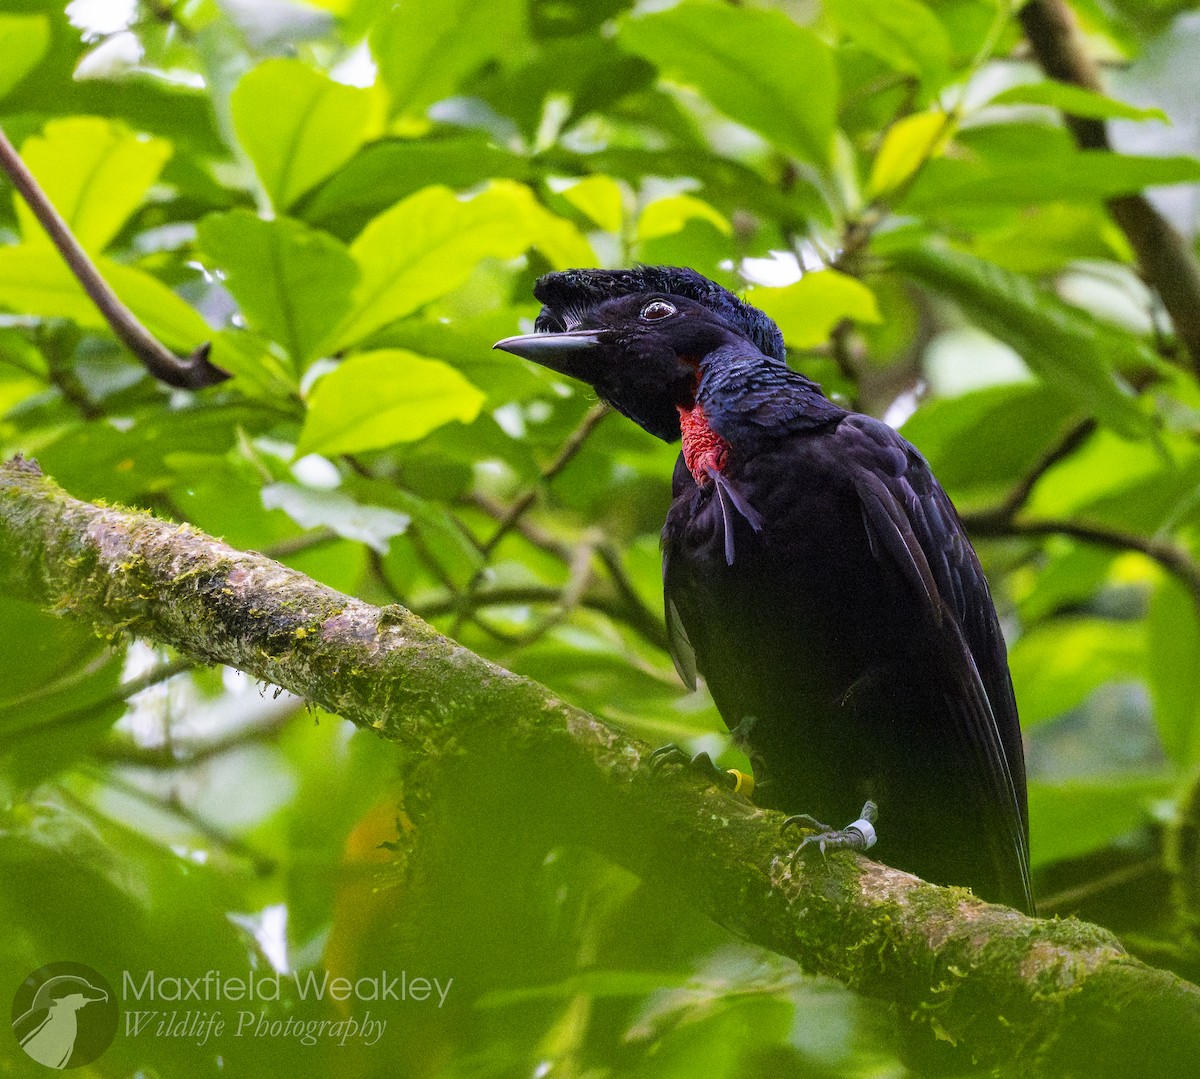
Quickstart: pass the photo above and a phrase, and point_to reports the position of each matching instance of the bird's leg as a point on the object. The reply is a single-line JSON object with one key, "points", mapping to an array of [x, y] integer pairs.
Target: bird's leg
{"points": [[731, 779], [857, 835]]}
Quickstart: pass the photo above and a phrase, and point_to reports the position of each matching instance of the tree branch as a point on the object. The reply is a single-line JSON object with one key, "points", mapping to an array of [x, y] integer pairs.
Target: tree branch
{"points": [[192, 373], [1166, 259], [1036, 997]]}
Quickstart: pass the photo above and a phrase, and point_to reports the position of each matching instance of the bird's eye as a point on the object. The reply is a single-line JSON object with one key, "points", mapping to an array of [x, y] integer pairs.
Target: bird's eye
{"points": [[657, 309]]}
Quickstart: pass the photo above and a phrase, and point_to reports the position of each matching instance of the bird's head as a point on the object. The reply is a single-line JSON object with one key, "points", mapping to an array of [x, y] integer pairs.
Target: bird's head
{"points": [[638, 336]]}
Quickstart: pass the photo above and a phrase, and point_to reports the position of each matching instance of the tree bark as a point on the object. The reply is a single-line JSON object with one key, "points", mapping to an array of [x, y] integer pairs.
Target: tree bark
{"points": [[1031, 996]]}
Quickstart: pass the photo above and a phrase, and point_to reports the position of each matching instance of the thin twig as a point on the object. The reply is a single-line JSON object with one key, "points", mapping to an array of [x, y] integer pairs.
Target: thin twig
{"points": [[171, 804], [634, 612], [566, 454], [1019, 496], [193, 373], [1069, 900], [517, 510], [191, 753], [1171, 556], [306, 541], [89, 711]]}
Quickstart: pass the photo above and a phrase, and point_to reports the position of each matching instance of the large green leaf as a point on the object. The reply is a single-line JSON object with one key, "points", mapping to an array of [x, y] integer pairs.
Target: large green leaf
{"points": [[808, 311], [1174, 643], [35, 281], [377, 399], [312, 507], [426, 47], [1075, 100], [61, 698], [94, 172], [429, 244], [758, 67], [1070, 819], [297, 126], [23, 42], [983, 440], [905, 34], [1082, 176], [292, 282], [1056, 666], [385, 172], [1065, 346]]}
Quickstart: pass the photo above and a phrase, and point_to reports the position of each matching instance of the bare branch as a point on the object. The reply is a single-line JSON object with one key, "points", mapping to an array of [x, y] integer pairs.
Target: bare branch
{"points": [[193, 373]]}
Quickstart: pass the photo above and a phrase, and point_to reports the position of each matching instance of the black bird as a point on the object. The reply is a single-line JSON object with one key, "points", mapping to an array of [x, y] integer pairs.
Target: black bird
{"points": [[815, 573]]}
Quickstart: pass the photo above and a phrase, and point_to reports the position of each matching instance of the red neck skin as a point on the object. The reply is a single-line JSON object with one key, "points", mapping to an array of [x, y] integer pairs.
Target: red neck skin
{"points": [[703, 448]]}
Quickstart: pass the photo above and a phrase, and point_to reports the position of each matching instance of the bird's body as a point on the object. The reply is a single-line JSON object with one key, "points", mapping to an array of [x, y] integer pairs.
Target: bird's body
{"points": [[819, 578], [847, 668]]}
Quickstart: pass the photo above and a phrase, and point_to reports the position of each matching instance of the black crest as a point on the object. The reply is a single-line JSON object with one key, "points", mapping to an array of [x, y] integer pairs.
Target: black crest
{"points": [[572, 292]]}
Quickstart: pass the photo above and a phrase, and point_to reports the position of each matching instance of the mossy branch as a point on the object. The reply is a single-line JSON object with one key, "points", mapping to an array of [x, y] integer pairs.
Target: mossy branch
{"points": [[1034, 997]]}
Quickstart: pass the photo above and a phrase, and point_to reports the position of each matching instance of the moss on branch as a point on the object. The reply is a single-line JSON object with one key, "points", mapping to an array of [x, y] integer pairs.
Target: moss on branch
{"points": [[1035, 997]]}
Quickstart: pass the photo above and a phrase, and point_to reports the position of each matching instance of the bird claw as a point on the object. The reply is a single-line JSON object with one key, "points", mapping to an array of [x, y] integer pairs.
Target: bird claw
{"points": [[702, 763], [857, 835]]}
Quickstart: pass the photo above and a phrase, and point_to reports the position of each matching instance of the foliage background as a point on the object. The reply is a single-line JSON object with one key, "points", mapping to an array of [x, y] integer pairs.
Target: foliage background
{"points": [[351, 200]]}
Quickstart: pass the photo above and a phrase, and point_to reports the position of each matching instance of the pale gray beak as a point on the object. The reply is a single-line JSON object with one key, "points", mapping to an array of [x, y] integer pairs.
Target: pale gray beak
{"points": [[569, 353]]}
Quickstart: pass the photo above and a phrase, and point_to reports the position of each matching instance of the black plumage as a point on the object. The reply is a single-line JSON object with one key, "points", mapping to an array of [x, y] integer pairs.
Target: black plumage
{"points": [[815, 573]]}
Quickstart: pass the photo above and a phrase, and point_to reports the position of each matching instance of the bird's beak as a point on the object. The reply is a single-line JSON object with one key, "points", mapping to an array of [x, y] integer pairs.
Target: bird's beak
{"points": [[569, 353]]}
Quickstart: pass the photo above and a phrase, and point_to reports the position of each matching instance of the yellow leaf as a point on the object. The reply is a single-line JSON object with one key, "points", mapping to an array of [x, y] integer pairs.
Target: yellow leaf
{"points": [[908, 144]]}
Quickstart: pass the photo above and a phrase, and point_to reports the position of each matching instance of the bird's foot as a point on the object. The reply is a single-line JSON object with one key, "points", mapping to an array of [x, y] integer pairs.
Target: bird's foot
{"points": [[702, 763], [857, 835]]}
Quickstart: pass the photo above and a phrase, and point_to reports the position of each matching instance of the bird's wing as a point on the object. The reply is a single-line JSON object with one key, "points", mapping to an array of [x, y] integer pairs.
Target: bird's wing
{"points": [[911, 522], [682, 651]]}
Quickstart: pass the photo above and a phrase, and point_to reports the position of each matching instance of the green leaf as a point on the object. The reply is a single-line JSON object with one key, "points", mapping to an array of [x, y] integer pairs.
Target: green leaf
{"points": [[377, 399], [1065, 346], [314, 508], [247, 357], [1070, 819], [808, 311], [1081, 176], [385, 172], [904, 34], [467, 344], [119, 460], [430, 243], [1057, 665], [1173, 639], [60, 699], [1076, 101], [758, 67], [1044, 239], [36, 281], [425, 47], [23, 42], [980, 441], [908, 145], [600, 198], [293, 283], [665, 217], [94, 172], [594, 984], [297, 126]]}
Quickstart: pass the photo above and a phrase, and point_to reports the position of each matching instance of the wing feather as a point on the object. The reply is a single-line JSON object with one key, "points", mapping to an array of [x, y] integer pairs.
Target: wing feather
{"points": [[910, 519]]}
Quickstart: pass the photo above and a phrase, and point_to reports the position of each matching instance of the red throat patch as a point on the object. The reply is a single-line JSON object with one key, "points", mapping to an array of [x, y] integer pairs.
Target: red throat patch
{"points": [[703, 448]]}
